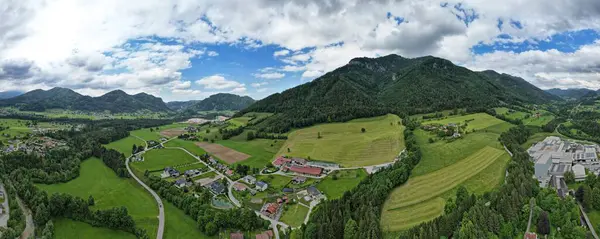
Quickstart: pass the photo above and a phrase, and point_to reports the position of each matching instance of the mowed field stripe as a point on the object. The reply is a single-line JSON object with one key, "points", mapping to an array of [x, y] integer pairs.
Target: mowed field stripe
{"points": [[396, 220], [431, 185]]}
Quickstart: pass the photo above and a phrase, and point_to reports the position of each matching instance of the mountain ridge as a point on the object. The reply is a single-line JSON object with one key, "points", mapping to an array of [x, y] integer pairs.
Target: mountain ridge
{"points": [[392, 84]]}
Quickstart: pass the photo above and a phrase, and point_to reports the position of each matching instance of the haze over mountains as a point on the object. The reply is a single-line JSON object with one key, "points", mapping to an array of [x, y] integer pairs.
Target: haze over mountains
{"points": [[375, 86]]}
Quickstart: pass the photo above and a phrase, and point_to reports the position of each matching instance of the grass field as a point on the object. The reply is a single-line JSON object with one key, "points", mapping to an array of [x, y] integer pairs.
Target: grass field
{"points": [[153, 134], [400, 209], [294, 215], [344, 143], [180, 226], [479, 121], [158, 159], [532, 120], [17, 128], [594, 217], [261, 151], [67, 229], [442, 154], [110, 191], [240, 121], [186, 144], [346, 180], [125, 145]]}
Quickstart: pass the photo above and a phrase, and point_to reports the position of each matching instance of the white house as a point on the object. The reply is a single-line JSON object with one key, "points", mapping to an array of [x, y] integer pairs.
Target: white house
{"points": [[249, 179], [261, 186]]}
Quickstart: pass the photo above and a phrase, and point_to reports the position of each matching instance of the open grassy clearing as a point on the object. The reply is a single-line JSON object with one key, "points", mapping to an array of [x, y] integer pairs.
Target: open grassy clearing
{"points": [[17, 128], [186, 144], [154, 134], [528, 118], [180, 226], [261, 151], [111, 191], [239, 121], [594, 217], [441, 154], [275, 181], [344, 143], [346, 180], [67, 229], [294, 215], [476, 121], [158, 159], [125, 145]]}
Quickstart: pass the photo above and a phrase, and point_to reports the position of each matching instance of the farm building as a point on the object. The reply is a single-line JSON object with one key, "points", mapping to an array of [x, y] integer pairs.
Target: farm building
{"points": [[265, 235], [312, 171], [281, 161]]}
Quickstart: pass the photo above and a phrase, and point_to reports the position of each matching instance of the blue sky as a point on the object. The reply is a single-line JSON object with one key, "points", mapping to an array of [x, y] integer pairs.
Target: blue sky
{"points": [[186, 49]]}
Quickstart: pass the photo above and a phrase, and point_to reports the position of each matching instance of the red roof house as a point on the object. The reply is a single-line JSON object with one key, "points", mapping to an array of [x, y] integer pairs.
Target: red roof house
{"points": [[530, 235], [237, 235], [272, 208], [315, 171], [281, 161]]}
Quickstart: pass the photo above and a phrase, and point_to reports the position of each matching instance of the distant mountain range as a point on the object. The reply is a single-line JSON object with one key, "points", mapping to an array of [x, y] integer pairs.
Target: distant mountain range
{"points": [[9, 94], [575, 93], [392, 84], [62, 98]]}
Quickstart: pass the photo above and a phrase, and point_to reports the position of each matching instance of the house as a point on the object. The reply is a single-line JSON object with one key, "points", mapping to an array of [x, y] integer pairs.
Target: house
{"points": [[579, 172], [236, 235], [288, 190], [192, 172], [169, 172], [299, 180], [456, 135], [229, 172], [281, 161], [163, 139], [212, 160], [182, 182], [313, 191], [240, 187], [299, 161], [249, 179], [313, 171], [261, 186], [530, 235], [265, 235], [272, 208], [217, 187]]}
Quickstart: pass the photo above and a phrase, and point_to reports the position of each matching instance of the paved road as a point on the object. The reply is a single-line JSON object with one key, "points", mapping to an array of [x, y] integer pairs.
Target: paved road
{"points": [[531, 204], [29, 225], [587, 221], [6, 211], [231, 197], [161, 210]]}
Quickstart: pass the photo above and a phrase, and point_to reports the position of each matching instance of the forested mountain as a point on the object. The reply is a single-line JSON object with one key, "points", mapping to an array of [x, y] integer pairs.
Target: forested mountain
{"points": [[62, 98], [181, 105], [392, 84], [222, 101], [576, 93], [9, 94]]}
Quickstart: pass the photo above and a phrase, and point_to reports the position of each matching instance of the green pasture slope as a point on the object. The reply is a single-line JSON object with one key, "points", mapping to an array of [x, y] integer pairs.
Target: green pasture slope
{"points": [[67, 229], [125, 145], [153, 134], [344, 143], [111, 191], [476, 161], [17, 128], [158, 159], [294, 215], [346, 181]]}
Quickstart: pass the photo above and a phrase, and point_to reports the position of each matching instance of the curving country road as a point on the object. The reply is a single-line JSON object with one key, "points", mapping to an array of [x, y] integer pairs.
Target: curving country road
{"points": [[161, 210]]}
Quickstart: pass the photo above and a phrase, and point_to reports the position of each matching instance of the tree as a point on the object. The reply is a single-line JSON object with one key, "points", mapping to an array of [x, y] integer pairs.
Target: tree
{"points": [[288, 150], [431, 140], [318, 135], [596, 198], [363, 130], [250, 136], [134, 149], [569, 177], [207, 131], [211, 229], [590, 179], [587, 197], [42, 215], [543, 225], [91, 201], [351, 229], [467, 230]]}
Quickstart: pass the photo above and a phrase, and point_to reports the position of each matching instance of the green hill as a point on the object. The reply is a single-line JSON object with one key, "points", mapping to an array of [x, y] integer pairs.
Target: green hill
{"points": [[62, 98], [368, 87], [222, 101]]}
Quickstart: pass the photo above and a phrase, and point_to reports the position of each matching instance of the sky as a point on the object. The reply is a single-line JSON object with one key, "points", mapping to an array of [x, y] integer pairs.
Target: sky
{"points": [[190, 49]]}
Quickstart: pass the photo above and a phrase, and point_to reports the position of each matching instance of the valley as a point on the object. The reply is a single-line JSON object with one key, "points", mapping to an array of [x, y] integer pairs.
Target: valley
{"points": [[228, 166]]}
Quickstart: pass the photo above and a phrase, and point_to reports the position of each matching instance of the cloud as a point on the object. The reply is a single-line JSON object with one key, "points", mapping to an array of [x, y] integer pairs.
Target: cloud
{"points": [[17, 69], [272, 75], [218, 82], [281, 53], [291, 68], [181, 85], [212, 53], [259, 84]]}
